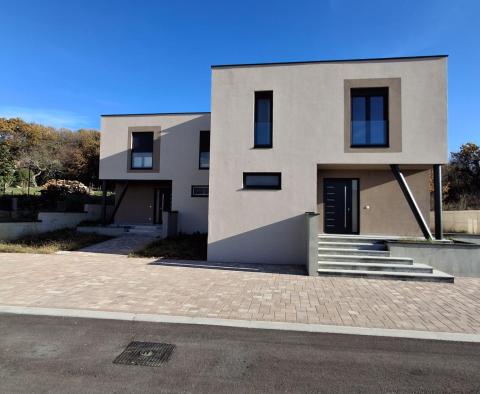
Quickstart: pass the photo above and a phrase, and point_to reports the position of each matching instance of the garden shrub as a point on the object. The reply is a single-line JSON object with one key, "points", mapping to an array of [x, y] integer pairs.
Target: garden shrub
{"points": [[61, 188]]}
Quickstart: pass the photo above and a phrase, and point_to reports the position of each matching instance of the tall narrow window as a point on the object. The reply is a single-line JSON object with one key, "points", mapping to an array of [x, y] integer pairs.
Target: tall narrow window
{"points": [[263, 119], [204, 156], [142, 150], [369, 108]]}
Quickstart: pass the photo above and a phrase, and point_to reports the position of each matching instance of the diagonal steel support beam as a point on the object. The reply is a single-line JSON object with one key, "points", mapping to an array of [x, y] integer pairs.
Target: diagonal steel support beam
{"points": [[117, 204], [104, 202], [411, 201]]}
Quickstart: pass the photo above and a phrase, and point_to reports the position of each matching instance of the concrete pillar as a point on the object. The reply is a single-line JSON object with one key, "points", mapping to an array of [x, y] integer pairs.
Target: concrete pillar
{"points": [[311, 233]]}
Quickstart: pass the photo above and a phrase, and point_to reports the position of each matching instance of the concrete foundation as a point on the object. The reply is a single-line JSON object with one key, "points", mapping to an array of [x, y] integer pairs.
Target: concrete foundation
{"points": [[458, 259]]}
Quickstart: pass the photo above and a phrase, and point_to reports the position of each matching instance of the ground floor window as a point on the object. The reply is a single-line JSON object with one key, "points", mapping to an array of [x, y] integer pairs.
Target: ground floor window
{"points": [[199, 190], [262, 180]]}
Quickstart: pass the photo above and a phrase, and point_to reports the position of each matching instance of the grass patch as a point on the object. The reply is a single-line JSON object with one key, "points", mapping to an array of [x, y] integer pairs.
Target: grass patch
{"points": [[181, 247], [51, 242]]}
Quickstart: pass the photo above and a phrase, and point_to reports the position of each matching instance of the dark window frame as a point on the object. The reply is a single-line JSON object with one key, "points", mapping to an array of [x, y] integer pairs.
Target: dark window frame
{"points": [[200, 196], [132, 151], [200, 149], [368, 93], [262, 94], [262, 187]]}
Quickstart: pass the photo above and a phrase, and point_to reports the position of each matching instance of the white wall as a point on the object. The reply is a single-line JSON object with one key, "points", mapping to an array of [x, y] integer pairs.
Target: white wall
{"points": [[459, 221], [308, 129], [179, 149]]}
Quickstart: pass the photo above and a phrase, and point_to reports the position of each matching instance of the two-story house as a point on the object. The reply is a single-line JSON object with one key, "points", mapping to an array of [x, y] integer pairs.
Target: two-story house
{"points": [[354, 140], [159, 162]]}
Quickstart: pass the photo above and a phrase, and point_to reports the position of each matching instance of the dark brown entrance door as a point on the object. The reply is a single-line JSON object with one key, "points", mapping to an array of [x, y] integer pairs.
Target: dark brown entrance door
{"points": [[340, 200]]}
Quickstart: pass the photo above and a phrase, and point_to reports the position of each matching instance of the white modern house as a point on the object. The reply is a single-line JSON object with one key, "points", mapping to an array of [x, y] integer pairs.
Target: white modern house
{"points": [[354, 141]]}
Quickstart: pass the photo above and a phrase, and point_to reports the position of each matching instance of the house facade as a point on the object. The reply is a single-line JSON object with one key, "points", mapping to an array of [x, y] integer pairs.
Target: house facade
{"points": [[354, 140], [158, 162]]}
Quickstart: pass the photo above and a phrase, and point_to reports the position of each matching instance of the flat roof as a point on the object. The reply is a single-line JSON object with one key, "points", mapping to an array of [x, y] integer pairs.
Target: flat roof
{"points": [[159, 114], [329, 61]]}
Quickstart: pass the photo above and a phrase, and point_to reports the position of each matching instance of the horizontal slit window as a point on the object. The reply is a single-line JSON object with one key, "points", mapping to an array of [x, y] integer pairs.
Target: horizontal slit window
{"points": [[199, 190], [262, 180]]}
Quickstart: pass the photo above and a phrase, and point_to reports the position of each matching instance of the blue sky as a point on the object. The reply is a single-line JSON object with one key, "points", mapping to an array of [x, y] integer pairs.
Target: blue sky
{"points": [[63, 63]]}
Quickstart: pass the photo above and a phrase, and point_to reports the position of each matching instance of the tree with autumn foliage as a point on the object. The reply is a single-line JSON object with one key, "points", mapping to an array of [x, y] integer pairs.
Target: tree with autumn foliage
{"points": [[83, 157], [7, 166], [462, 178], [49, 153]]}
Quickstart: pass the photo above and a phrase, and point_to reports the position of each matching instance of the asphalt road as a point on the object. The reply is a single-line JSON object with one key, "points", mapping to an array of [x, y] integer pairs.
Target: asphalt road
{"points": [[69, 355]]}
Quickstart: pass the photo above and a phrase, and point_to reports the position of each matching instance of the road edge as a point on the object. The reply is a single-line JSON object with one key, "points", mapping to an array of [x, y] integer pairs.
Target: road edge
{"points": [[255, 324]]}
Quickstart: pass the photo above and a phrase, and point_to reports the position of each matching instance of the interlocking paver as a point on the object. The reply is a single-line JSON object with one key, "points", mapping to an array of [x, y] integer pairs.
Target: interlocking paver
{"points": [[116, 283]]}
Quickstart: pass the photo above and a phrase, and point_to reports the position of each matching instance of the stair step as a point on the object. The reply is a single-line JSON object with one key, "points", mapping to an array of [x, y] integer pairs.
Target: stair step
{"points": [[335, 265], [366, 259], [435, 276], [354, 252], [351, 238], [353, 245]]}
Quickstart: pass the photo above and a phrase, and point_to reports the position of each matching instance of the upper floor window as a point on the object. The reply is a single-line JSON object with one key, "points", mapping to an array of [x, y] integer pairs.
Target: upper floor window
{"points": [[369, 123], [204, 155], [263, 119], [142, 150]]}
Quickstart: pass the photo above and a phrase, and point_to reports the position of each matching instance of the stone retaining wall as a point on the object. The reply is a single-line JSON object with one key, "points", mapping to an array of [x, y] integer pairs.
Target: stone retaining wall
{"points": [[49, 221]]}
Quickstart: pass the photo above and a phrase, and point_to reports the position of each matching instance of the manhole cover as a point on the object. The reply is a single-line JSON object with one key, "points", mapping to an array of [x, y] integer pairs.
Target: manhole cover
{"points": [[150, 354]]}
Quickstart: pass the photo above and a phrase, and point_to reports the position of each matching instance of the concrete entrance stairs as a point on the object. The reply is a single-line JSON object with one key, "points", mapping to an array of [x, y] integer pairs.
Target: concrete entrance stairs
{"points": [[147, 229], [155, 230], [368, 257]]}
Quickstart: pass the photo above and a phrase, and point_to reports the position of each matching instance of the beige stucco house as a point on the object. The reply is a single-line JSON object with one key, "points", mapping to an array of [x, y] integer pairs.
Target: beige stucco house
{"points": [[354, 140], [158, 162]]}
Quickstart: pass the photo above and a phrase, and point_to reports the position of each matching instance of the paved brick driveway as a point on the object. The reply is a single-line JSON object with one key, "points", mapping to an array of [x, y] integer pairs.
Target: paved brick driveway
{"points": [[117, 283]]}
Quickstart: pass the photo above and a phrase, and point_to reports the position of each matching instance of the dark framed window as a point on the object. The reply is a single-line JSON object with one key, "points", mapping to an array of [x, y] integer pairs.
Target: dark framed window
{"points": [[263, 119], [199, 190], [369, 117], [204, 155], [262, 180], [142, 150]]}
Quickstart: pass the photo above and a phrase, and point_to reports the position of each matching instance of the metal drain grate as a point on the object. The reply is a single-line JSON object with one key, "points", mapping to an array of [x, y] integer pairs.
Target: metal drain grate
{"points": [[149, 354]]}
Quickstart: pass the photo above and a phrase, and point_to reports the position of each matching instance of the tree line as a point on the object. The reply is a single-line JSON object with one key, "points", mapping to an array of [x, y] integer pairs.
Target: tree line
{"points": [[33, 153]]}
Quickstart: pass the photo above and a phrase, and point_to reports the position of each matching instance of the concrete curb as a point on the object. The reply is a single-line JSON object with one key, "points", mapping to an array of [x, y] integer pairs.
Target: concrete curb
{"points": [[264, 325]]}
